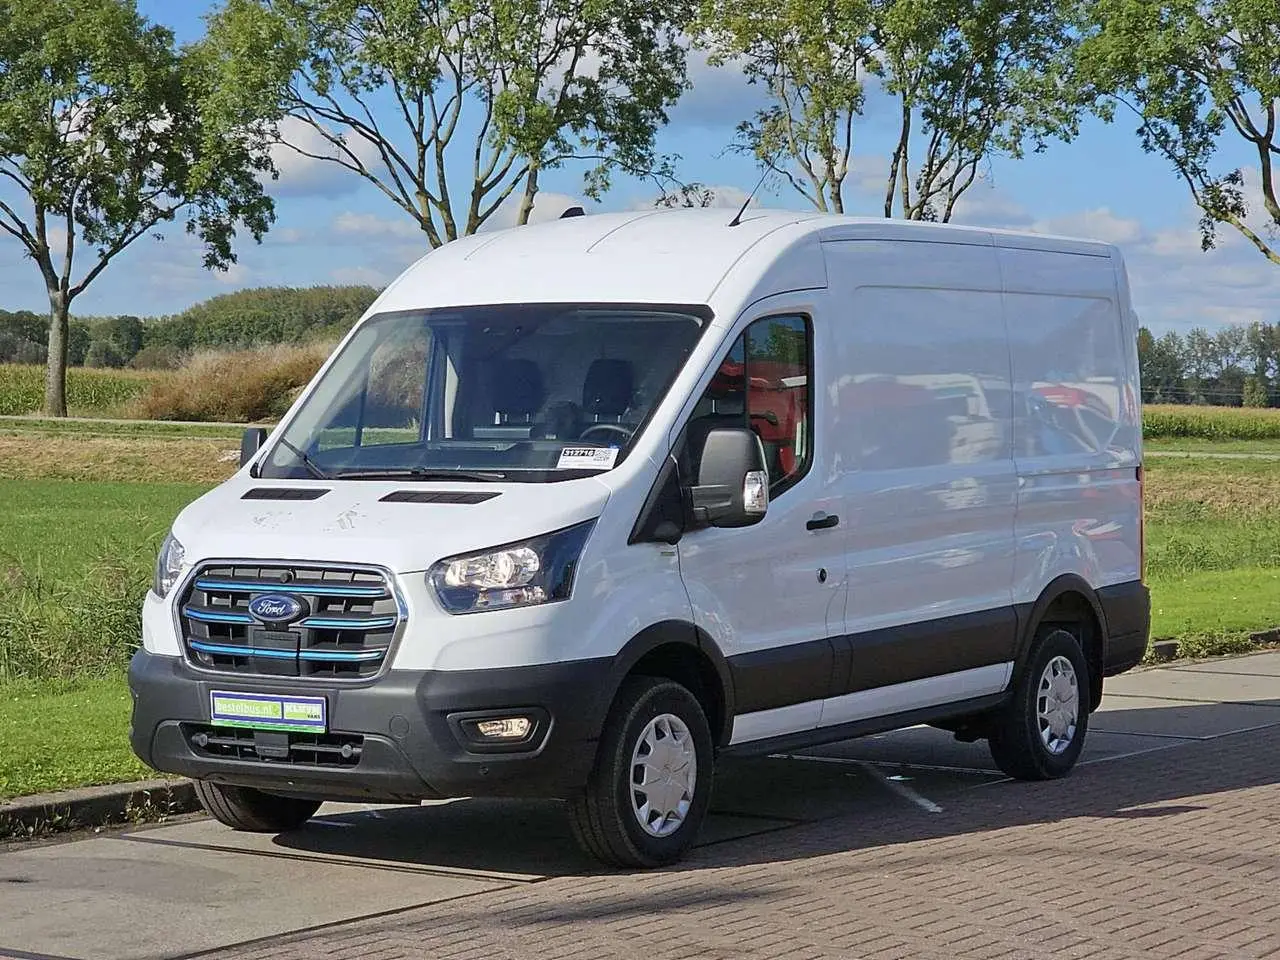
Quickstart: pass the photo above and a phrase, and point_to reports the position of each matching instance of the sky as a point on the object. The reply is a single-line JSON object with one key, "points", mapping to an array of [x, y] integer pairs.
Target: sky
{"points": [[331, 227]]}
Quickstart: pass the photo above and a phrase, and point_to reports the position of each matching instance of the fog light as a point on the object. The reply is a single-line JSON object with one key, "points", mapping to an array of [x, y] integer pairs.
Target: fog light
{"points": [[507, 728]]}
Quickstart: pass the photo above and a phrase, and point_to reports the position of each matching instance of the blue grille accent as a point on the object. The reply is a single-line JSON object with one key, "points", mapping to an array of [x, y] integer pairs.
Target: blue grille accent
{"points": [[339, 655], [320, 623], [226, 650], [214, 616], [351, 618], [267, 586]]}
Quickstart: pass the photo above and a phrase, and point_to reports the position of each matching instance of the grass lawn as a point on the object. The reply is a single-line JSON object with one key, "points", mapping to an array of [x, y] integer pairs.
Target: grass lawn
{"points": [[65, 735], [57, 528], [1215, 602], [1196, 445], [117, 428]]}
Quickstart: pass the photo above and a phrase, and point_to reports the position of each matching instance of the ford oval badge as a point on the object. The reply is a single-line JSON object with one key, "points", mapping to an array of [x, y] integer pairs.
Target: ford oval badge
{"points": [[276, 608]]}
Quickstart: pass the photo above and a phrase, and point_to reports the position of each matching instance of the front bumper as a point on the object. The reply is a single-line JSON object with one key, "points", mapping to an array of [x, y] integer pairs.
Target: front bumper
{"points": [[406, 723]]}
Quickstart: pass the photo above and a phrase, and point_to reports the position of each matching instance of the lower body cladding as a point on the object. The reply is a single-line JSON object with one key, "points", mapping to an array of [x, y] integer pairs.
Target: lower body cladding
{"points": [[407, 736]]}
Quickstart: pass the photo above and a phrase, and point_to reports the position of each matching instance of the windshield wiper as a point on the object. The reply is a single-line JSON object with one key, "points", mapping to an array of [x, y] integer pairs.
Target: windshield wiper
{"points": [[421, 473], [316, 470]]}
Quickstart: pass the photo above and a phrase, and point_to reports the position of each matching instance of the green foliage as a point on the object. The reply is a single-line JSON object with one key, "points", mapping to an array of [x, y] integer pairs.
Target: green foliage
{"points": [[813, 58], [971, 79], [484, 95], [107, 132], [1196, 73], [1208, 423], [89, 392], [1254, 393], [261, 316], [1217, 368]]}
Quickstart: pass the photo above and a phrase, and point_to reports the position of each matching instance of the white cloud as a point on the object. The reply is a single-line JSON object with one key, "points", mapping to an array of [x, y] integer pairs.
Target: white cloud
{"points": [[547, 205], [302, 175], [362, 275], [353, 224], [723, 197], [986, 205], [1098, 224], [719, 97]]}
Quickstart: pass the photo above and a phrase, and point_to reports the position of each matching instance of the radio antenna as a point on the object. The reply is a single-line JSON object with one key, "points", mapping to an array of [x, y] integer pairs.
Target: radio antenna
{"points": [[750, 196]]}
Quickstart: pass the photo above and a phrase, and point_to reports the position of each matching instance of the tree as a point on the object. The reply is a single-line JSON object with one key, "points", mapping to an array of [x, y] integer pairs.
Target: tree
{"points": [[107, 131], [971, 78], [1196, 73], [1160, 365], [812, 58], [409, 94], [984, 77], [115, 341], [1255, 393]]}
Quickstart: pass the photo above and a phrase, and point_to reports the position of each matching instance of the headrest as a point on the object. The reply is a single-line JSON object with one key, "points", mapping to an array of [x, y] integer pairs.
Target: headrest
{"points": [[517, 387], [608, 388]]}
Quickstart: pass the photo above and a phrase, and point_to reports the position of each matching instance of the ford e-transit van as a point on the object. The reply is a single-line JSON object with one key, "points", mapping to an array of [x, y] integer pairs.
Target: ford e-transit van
{"points": [[578, 508]]}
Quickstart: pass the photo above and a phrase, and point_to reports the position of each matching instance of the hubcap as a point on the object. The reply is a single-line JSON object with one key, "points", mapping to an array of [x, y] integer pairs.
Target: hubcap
{"points": [[1058, 705], [664, 771]]}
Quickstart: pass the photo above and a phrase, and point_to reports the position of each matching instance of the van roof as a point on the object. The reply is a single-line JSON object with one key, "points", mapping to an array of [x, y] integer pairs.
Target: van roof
{"points": [[651, 256]]}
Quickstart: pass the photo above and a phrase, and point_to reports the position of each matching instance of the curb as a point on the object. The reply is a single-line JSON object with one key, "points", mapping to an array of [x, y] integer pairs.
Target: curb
{"points": [[46, 813], [1162, 652]]}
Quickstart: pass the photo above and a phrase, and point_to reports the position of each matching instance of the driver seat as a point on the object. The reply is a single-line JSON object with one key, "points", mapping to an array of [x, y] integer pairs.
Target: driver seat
{"points": [[607, 390]]}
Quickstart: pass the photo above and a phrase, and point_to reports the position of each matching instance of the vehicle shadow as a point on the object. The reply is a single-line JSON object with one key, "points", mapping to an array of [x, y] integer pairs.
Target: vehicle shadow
{"points": [[768, 810]]}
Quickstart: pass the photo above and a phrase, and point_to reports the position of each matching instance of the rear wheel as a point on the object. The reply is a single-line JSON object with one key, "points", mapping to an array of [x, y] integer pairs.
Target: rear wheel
{"points": [[1040, 733], [650, 787], [243, 808]]}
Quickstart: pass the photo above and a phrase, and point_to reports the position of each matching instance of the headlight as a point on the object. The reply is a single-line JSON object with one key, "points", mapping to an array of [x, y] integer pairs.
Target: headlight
{"points": [[523, 574], [168, 566]]}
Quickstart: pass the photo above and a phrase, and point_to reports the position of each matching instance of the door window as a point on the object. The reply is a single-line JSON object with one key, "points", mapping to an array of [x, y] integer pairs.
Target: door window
{"points": [[765, 383]]}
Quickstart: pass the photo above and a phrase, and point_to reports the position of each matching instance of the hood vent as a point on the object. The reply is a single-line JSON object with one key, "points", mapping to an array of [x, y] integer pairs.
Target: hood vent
{"points": [[437, 496], [284, 493]]}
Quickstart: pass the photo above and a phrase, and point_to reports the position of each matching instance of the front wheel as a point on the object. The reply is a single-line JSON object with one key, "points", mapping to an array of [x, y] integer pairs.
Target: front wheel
{"points": [[243, 808], [1040, 733], [651, 784]]}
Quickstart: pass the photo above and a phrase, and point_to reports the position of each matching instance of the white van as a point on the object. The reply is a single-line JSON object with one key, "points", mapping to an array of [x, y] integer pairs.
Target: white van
{"points": [[578, 508]]}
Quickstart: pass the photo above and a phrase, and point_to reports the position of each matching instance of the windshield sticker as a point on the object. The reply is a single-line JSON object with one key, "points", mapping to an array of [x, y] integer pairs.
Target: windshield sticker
{"points": [[587, 458]]}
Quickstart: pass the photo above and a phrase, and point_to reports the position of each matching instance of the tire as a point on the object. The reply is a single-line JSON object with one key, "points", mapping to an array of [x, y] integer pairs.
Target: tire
{"points": [[649, 714], [1030, 739], [243, 808]]}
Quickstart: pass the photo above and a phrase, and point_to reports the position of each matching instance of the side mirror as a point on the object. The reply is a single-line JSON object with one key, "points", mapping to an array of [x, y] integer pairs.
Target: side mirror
{"points": [[733, 482], [250, 443]]}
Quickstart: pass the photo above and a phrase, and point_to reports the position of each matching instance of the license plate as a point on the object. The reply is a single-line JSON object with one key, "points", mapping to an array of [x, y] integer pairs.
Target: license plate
{"points": [[268, 711]]}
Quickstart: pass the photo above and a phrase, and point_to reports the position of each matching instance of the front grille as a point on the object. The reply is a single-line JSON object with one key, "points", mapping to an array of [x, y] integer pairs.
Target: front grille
{"points": [[295, 749], [347, 620]]}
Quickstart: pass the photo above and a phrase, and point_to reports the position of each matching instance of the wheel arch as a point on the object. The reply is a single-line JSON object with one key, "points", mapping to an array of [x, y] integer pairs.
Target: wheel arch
{"points": [[1067, 599], [679, 651]]}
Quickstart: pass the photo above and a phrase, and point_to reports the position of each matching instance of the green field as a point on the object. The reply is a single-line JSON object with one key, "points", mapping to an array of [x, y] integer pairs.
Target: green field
{"points": [[90, 392], [76, 559], [69, 734]]}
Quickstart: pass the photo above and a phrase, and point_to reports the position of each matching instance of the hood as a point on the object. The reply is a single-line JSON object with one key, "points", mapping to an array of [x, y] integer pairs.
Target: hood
{"points": [[405, 527]]}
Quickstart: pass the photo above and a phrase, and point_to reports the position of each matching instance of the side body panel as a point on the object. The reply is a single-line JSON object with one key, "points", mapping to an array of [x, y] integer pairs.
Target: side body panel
{"points": [[1077, 427]]}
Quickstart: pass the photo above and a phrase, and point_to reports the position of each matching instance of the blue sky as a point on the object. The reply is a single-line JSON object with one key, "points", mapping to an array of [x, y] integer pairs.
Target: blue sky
{"points": [[331, 228]]}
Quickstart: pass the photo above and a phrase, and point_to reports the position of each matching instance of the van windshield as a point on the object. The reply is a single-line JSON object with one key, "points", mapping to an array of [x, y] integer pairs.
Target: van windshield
{"points": [[531, 392]]}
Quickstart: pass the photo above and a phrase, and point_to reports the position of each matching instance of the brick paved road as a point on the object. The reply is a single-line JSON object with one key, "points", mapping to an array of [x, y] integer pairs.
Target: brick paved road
{"points": [[1173, 854]]}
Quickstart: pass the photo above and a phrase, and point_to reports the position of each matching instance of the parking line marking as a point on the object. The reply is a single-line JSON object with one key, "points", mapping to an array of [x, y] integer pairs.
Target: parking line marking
{"points": [[890, 763], [901, 789]]}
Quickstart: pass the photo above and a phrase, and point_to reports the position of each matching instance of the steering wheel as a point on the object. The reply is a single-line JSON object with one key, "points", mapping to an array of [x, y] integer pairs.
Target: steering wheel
{"points": [[613, 428]]}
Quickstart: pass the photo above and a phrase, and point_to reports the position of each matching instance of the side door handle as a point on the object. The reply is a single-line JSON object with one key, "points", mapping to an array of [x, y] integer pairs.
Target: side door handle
{"points": [[822, 521]]}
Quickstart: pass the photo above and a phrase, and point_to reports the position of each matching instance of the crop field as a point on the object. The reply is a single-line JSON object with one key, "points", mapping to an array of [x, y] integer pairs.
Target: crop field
{"points": [[90, 392], [87, 503]]}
